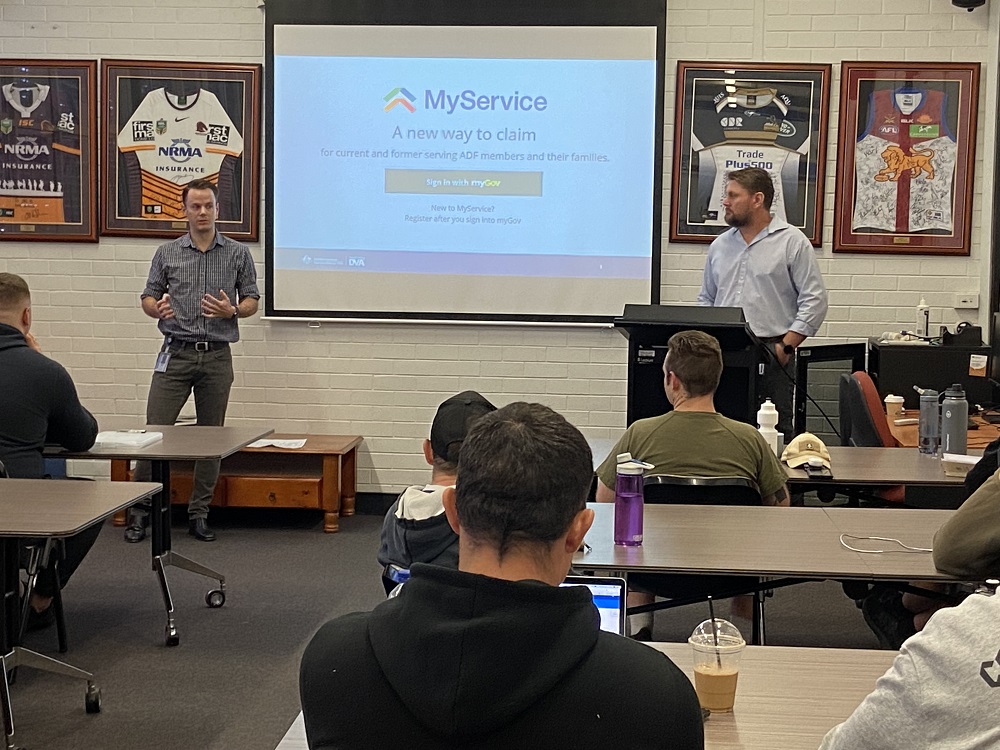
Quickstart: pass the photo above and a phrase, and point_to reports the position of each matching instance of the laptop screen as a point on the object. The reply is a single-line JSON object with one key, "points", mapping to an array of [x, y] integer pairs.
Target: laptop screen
{"points": [[609, 598]]}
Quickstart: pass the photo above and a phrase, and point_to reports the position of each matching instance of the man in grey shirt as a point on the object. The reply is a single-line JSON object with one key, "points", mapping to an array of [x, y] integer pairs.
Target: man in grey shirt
{"points": [[198, 286], [767, 267]]}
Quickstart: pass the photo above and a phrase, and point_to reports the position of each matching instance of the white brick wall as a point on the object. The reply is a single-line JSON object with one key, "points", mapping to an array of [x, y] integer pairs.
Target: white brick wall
{"points": [[384, 381]]}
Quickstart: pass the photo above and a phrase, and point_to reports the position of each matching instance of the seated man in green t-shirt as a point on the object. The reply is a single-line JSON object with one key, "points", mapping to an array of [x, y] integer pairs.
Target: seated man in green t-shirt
{"points": [[693, 440]]}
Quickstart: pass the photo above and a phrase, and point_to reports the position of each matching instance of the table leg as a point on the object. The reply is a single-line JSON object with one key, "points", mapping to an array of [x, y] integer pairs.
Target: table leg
{"points": [[120, 473], [348, 482], [163, 556], [331, 499]]}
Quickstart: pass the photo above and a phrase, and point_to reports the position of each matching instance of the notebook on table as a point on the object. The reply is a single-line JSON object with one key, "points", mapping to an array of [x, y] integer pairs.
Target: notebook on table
{"points": [[609, 598]]}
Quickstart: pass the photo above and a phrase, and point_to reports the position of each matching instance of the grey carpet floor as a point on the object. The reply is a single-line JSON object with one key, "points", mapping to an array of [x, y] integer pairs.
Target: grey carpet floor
{"points": [[233, 680]]}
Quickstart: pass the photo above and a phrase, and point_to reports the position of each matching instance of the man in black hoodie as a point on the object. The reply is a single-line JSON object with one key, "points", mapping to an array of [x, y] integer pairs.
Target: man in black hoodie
{"points": [[38, 405], [495, 654]]}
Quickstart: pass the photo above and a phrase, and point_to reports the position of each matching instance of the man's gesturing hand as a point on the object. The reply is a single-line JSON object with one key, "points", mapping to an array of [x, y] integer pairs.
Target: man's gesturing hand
{"points": [[163, 308], [221, 307]]}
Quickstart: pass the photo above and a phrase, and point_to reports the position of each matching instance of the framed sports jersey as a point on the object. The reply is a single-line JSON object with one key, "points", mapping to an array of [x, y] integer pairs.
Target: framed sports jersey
{"points": [[168, 123], [730, 116], [905, 158], [48, 150]]}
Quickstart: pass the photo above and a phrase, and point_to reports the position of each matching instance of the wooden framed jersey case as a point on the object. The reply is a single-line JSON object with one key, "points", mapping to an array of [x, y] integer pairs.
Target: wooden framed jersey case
{"points": [[905, 157], [167, 123], [48, 150], [730, 116]]}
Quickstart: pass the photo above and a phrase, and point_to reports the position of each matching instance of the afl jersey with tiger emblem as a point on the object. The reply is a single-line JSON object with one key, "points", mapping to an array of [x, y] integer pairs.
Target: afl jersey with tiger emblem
{"points": [[177, 139], [746, 127], [904, 164], [39, 154]]}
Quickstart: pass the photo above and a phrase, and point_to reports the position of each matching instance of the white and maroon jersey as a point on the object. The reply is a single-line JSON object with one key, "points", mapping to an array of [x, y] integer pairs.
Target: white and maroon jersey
{"points": [[912, 194], [39, 153], [177, 139]]}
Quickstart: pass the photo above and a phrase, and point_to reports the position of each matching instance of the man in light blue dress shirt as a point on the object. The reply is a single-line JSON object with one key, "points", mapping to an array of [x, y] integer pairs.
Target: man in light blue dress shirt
{"points": [[767, 267]]}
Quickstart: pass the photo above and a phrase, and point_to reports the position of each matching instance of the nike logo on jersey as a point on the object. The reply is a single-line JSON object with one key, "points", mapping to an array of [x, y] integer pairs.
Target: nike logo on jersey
{"points": [[180, 119]]}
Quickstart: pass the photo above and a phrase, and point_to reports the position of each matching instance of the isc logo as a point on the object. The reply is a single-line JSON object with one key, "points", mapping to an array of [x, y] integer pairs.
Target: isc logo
{"points": [[358, 262]]}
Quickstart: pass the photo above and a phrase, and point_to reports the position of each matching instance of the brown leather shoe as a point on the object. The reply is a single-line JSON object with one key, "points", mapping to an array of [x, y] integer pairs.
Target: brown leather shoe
{"points": [[198, 528]]}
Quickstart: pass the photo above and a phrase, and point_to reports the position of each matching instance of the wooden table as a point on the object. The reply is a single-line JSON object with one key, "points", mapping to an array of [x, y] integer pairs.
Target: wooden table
{"points": [[766, 541], [322, 474], [787, 698], [179, 443], [48, 508], [878, 467], [909, 435]]}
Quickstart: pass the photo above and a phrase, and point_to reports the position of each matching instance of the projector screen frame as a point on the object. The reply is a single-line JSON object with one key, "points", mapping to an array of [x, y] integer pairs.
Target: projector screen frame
{"points": [[556, 13]]}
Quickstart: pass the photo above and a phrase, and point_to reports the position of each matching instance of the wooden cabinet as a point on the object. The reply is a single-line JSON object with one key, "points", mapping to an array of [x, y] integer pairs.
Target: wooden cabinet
{"points": [[320, 475]]}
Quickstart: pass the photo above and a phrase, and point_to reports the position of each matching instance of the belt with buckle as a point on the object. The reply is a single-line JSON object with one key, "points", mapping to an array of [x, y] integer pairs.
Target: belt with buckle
{"points": [[200, 346]]}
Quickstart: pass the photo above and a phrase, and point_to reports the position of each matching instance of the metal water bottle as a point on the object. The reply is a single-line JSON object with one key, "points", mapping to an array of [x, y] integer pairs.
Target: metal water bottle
{"points": [[929, 429], [954, 420], [628, 500]]}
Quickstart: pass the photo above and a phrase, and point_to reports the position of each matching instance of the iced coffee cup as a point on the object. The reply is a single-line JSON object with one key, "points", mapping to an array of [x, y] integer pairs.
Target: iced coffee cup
{"points": [[717, 653]]}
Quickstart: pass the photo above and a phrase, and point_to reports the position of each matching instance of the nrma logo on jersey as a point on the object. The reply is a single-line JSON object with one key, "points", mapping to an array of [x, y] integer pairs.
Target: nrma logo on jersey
{"points": [[27, 148], [180, 150], [399, 96]]}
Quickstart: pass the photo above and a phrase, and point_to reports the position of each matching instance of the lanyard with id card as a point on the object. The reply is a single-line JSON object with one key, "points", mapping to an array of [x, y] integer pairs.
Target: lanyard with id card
{"points": [[163, 358]]}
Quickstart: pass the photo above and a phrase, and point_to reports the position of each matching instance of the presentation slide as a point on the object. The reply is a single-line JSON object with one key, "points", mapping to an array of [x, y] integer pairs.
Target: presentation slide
{"points": [[463, 169]]}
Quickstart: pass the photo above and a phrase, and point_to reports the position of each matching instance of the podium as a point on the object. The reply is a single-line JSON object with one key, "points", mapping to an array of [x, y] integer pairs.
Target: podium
{"points": [[649, 327]]}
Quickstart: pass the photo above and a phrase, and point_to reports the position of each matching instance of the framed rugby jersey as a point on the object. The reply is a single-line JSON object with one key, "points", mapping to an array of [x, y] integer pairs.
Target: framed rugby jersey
{"points": [[730, 116], [905, 158], [48, 150], [166, 124]]}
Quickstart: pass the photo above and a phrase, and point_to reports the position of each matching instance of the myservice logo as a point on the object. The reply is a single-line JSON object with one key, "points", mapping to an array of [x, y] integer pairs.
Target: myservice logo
{"points": [[399, 96]]}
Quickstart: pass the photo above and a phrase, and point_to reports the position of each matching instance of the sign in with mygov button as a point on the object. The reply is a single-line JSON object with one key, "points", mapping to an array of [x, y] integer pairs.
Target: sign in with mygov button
{"points": [[462, 182]]}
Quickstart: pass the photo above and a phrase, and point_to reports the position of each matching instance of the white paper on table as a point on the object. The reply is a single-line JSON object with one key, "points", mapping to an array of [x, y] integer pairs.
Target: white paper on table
{"points": [[126, 438], [286, 444]]}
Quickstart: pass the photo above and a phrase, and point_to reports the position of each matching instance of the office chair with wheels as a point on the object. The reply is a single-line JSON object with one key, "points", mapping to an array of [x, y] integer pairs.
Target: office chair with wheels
{"points": [[43, 556], [684, 589], [863, 423], [668, 488]]}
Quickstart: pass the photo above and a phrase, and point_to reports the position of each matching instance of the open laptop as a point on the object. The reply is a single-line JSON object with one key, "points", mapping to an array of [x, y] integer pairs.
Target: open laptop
{"points": [[609, 598]]}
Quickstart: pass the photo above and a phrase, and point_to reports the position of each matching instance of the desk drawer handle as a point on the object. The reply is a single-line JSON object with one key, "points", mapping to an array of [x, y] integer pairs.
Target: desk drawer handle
{"points": [[272, 497]]}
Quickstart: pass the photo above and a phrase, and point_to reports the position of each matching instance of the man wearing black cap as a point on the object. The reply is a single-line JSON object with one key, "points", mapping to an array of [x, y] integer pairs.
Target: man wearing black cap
{"points": [[415, 528]]}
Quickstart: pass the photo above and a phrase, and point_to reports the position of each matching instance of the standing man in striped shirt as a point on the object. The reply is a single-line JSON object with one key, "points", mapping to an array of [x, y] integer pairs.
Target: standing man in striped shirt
{"points": [[198, 286]]}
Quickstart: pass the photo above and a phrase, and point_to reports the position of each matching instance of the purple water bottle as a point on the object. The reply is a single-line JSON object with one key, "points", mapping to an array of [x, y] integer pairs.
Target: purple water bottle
{"points": [[628, 500]]}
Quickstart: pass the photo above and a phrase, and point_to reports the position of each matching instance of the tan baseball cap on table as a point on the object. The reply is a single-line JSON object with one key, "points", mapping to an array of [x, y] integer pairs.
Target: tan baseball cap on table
{"points": [[802, 448]]}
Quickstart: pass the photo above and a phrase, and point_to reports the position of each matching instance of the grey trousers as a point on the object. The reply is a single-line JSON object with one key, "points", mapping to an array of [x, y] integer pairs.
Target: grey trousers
{"points": [[210, 376]]}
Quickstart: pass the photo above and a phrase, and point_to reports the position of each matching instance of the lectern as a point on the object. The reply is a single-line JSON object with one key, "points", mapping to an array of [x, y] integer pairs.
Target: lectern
{"points": [[648, 327]]}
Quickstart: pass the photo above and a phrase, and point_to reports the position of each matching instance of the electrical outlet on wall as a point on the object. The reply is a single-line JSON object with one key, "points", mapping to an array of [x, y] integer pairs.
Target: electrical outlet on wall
{"points": [[967, 301]]}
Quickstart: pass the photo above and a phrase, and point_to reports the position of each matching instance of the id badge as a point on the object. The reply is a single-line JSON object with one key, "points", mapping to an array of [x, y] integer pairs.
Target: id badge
{"points": [[162, 360]]}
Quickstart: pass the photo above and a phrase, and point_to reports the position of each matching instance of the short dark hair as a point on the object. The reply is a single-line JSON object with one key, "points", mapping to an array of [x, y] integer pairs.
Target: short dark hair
{"points": [[13, 292], [524, 475], [199, 184], [755, 180], [696, 358]]}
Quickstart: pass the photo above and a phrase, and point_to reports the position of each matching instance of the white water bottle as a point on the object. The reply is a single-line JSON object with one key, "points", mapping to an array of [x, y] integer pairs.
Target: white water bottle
{"points": [[923, 318], [767, 421]]}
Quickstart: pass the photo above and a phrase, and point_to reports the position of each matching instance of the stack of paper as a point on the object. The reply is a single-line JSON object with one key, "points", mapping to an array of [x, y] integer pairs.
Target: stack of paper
{"points": [[126, 438]]}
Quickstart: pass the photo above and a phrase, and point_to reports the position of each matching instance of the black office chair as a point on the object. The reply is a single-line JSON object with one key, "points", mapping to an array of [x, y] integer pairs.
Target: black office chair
{"points": [[669, 488], [684, 589], [42, 555]]}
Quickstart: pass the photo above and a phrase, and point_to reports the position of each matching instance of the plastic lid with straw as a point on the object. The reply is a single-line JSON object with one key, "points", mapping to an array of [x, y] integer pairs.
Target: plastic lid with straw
{"points": [[720, 636]]}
